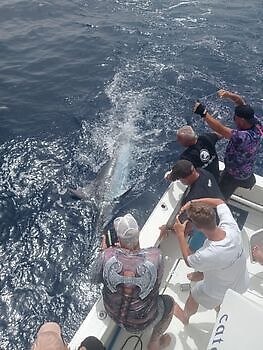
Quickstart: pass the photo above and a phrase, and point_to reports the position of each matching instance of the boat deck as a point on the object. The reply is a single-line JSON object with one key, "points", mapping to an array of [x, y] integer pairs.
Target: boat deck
{"points": [[196, 335]]}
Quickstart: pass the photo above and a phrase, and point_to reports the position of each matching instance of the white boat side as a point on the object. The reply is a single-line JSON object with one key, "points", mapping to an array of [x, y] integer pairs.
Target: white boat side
{"points": [[197, 334]]}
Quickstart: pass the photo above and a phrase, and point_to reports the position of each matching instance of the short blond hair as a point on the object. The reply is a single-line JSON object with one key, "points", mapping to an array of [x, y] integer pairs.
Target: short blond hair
{"points": [[202, 215]]}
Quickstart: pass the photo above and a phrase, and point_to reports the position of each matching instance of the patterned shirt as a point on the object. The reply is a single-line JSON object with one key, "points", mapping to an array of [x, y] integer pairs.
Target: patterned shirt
{"points": [[134, 306], [241, 152]]}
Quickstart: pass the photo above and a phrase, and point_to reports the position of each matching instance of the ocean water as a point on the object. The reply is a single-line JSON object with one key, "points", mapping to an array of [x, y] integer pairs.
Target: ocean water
{"points": [[75, 75]]}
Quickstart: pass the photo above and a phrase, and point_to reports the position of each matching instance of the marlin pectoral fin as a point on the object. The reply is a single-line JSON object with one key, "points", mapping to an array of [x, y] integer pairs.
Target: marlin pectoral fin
{"points": [[78, 194], [124, 193]]}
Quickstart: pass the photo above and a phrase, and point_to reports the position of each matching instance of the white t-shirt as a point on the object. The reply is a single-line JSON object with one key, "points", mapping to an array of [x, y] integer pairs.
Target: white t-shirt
{"points": [[222, 262]]}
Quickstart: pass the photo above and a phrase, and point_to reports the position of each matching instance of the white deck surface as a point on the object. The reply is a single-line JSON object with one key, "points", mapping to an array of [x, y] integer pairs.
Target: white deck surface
{"points": [[196, 335]]}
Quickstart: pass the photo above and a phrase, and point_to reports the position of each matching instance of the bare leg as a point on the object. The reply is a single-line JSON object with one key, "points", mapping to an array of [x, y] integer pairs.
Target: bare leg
{"points": [[258, 254], [158, 339], [190, 308], [195, 276]]}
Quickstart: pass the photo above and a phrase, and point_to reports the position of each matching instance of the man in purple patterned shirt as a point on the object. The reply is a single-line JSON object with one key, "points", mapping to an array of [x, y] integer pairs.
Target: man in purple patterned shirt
{"points": [[243, 145], [131, 278]]}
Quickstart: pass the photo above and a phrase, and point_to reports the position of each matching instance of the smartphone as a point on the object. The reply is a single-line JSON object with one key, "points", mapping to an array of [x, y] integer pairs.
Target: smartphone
{"points": [[111, 238], [185, 287]]}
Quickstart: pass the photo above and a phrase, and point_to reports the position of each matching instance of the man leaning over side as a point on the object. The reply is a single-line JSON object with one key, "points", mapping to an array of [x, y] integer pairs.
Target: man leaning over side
{"points": [[201, 184], [199, 150]]}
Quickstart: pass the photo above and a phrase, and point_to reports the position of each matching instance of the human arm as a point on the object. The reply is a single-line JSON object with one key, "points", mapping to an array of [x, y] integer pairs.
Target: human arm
{"points": [[179, 229], [226, 219], [214, 124], [219, 136], [213, 202], [211, 137], [160, 271], [97, 270], [168, 176], [164, 230], [238, 100], [103, 243]]}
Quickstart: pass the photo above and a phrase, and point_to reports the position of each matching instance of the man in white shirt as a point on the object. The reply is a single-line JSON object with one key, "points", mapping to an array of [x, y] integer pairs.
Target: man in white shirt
{"points": [[221, 259]]}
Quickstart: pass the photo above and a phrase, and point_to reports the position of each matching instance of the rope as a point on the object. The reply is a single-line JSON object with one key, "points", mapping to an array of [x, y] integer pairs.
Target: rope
{"points": [[139, 341], [171, 274]]}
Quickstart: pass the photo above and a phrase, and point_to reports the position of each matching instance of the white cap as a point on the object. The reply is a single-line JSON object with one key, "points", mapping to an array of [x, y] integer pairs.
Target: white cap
{"points": [[126, 227]]}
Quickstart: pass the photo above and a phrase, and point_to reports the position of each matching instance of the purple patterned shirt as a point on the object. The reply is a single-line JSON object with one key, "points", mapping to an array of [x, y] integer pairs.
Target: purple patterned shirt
{"points": [[241, 151]]}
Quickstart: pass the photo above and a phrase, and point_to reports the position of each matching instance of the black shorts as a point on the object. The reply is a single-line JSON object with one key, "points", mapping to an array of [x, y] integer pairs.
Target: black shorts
{"points": [[163, 320], [228, 184]]}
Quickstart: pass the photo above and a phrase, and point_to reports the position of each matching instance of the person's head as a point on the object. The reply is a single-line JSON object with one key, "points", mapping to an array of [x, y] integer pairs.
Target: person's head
{"points": [[244, 117], [127, 231], [91, 343], [184, 171], [49, 338], [202, 216], [186, 136]]}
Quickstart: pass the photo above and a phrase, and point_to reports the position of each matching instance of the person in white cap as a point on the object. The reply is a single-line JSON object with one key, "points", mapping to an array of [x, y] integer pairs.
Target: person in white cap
{"points": [[131, 279], [49, 338]]}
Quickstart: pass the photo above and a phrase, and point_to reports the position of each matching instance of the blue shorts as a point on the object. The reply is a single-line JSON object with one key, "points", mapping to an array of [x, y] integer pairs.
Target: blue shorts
{"points": [[196, 241]]}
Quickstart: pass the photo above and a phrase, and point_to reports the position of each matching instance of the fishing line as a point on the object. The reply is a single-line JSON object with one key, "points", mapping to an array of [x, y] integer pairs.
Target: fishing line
{"points": [[207, 96]]}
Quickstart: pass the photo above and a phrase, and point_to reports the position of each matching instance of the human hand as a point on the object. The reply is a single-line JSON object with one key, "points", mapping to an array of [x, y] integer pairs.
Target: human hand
{"points": [[167, 175], [103, 243], [163, 232], [179, 227], [185, 207], [257, 254], [223, 93], [200, 109]]}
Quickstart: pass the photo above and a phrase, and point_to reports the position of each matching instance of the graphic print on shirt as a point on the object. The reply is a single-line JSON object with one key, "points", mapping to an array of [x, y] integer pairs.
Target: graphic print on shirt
{"points": [[147, 276], [204, 155]]}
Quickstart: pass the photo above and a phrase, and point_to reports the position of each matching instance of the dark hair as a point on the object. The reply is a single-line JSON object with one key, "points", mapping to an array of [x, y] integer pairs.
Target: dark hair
{"points": [[92, 343], [246, 112], [181, 169], [202, 215]]}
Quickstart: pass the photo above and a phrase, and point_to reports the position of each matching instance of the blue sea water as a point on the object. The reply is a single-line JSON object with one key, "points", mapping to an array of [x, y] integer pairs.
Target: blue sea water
{"points": [[73, 75]]}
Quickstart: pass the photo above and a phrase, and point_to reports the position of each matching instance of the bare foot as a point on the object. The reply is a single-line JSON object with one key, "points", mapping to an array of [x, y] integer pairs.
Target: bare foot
{"points": [[161, 343], [180, 314], [154, 345], [195, 276], [165, 341], [258, 254]]}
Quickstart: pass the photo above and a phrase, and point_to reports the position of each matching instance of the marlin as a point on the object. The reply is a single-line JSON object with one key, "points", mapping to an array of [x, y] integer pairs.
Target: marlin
{"points": [[111, 182]]}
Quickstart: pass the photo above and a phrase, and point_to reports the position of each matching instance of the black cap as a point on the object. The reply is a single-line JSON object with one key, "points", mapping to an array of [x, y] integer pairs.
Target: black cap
{"points": [[246, 112], [92, 343], [181, 169]]}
